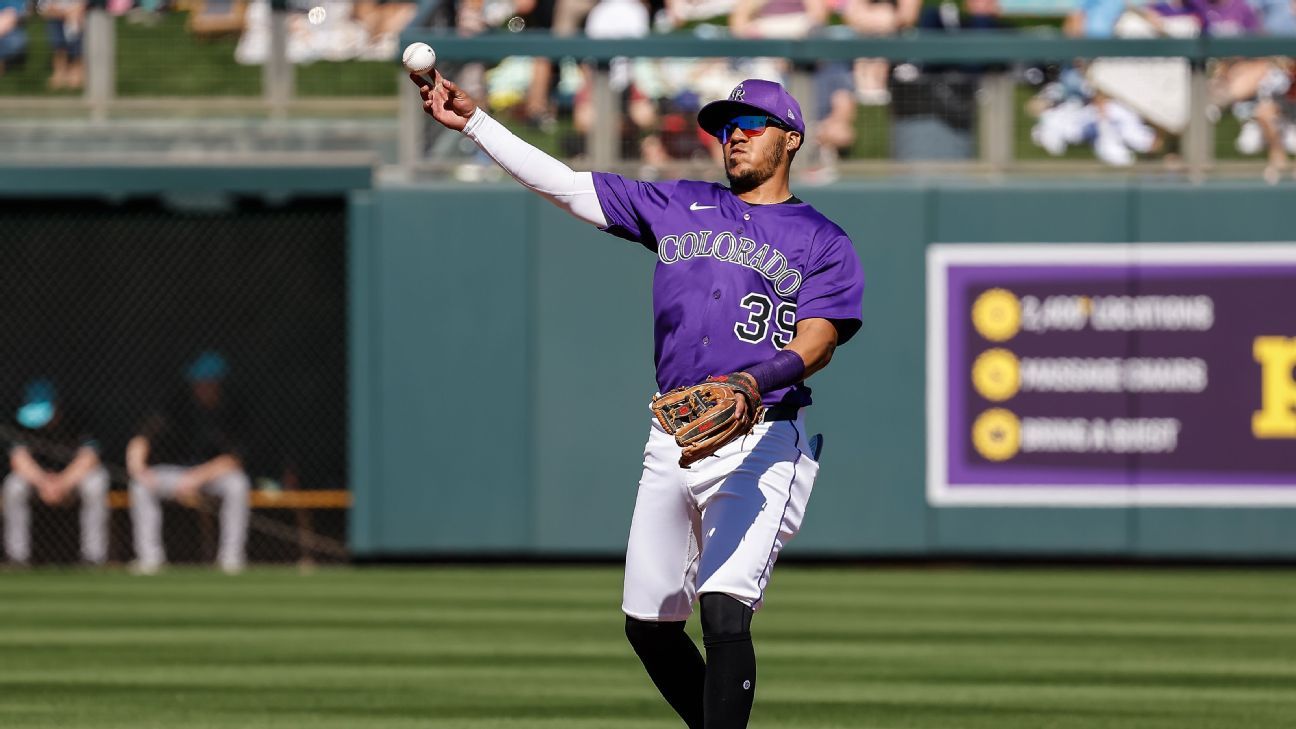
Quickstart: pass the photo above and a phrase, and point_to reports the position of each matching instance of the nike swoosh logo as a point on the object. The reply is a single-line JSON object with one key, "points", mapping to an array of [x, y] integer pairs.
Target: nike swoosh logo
{"points": [[695, 207]]}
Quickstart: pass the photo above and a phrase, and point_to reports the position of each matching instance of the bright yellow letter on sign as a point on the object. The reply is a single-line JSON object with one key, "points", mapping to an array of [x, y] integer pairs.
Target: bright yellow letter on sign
{"points": [[1277, 415]]}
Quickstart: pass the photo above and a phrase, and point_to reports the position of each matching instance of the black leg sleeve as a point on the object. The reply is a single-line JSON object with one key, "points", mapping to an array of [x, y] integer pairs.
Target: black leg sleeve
{"points": [[673, 663], [730, 662]]}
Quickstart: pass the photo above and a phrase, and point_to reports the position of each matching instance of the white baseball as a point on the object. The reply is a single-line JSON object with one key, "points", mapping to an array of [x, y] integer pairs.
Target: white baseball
{"points": [[419, 58]]}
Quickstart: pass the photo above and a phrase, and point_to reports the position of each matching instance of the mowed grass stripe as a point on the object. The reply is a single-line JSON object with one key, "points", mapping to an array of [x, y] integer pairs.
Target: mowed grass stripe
{"points": [[533, 647]]}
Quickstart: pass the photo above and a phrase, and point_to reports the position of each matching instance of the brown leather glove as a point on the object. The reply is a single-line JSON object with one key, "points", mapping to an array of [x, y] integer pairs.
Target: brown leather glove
{"points": [[704, 417]]}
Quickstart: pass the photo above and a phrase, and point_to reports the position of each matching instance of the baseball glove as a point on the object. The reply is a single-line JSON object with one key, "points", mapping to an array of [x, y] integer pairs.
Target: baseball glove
{"points": [[703, 417]]}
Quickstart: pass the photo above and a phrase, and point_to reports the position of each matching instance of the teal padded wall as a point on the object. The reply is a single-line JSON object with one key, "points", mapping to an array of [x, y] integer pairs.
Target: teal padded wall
{"points": [[487, 302]]}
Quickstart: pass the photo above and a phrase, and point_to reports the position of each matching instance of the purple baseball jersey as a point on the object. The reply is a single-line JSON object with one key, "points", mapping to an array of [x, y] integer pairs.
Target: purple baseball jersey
{"points": [[732, 278]]}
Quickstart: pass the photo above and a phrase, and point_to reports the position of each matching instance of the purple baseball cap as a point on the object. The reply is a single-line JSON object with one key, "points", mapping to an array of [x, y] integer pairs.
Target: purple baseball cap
{"points": [[753, 96]]}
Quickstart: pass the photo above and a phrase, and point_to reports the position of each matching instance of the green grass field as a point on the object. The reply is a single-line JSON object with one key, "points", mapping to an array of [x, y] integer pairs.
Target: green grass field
{"points": [[542, 647]]}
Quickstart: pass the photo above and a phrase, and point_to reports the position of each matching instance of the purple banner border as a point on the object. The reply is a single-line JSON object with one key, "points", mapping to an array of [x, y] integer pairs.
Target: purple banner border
{"points": [[962, 475]]}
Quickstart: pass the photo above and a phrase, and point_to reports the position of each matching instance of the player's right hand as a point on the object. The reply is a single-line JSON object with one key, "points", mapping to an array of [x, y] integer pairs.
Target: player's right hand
{"points": [[445, 102]]}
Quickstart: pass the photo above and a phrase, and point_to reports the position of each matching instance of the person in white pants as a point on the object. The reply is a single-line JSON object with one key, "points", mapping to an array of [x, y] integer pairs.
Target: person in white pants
{"points": [[190, 448], [54, 457]]}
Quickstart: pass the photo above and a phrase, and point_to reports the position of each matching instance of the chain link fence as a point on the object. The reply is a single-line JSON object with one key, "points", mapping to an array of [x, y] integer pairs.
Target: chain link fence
{"points": [[109, 307]]}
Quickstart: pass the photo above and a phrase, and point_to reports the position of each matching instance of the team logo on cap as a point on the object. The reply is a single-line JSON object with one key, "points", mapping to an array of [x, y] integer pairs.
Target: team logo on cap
{"points": [[737, 93], [791, 115]]}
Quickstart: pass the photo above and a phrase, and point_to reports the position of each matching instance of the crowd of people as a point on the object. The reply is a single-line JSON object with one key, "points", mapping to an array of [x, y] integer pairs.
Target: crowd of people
{"points": [[1122, 108], [1126, 107], [932, 109], [188, 449]]}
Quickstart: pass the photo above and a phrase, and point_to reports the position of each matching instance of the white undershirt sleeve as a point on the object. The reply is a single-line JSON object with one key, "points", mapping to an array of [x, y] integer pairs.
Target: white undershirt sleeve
{"points": [[569, 190]]}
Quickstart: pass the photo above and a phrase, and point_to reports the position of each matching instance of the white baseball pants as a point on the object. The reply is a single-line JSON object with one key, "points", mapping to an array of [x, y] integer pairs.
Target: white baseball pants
{"points": [[146, 515], [93, 491], [717, 526]]}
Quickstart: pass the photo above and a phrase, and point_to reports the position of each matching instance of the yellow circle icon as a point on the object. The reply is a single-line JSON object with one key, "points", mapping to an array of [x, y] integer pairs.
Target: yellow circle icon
{"points": [[996, 314], [996, 434], [996, 374]]}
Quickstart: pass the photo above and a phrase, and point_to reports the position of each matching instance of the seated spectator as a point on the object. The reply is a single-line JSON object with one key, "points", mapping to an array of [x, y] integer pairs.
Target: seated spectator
{"points": [[1086, 107], [56, 457], [1253, 89], [1094, 18], [13, 36], [1277, 17], [871, 18], [189, 448], [1258, 93], [933, 107], [65, 19], [622, 19]]}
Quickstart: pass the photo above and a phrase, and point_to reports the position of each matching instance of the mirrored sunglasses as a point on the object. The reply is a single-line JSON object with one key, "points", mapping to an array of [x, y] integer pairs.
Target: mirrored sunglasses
{"points": [[753, 125]]}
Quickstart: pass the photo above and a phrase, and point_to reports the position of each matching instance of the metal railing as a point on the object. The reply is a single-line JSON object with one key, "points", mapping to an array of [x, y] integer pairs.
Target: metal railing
{"points": [[999, 51]]}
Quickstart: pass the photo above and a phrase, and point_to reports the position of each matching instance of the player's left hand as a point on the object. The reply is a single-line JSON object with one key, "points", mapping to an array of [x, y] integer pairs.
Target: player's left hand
{"points": [[707, 416]]}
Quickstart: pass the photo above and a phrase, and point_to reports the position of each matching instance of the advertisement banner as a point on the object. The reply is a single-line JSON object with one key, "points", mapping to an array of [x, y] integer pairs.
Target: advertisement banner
{"points": [[1111, 375]]}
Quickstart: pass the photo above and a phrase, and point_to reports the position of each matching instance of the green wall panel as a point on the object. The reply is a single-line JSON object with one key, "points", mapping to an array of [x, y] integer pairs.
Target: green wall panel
{"points": [[1216, 212], [449, 291], [593, 379], [1035, 213], [865, 402], [1216, 533], [1006, 531]]}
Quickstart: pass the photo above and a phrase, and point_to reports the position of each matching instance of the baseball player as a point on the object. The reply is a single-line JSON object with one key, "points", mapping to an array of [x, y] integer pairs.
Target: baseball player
{"points": [[192, 446], [753, 289], [54, 456]]}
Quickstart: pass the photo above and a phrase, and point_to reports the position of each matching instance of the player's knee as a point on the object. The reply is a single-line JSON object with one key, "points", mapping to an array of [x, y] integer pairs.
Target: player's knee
{"points": [[95, 483], [645, 633], [15, 486], [724, 619], [235, 483]]}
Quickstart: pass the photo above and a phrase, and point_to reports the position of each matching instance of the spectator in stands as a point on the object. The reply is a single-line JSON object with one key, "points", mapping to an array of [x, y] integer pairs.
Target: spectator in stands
{"points": [[1266, 110], [871, 18], [933, 107], [188, 449], [1074, 111], [1254, 89], [54, 455], [65, 19], [570, 16], [1277, 17], [13, 36], [622, 19], [538, 15], [1094, 18]]}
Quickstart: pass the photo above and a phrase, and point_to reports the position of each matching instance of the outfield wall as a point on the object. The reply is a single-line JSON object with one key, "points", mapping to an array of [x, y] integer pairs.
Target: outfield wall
{"points": [[537, 450]]}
